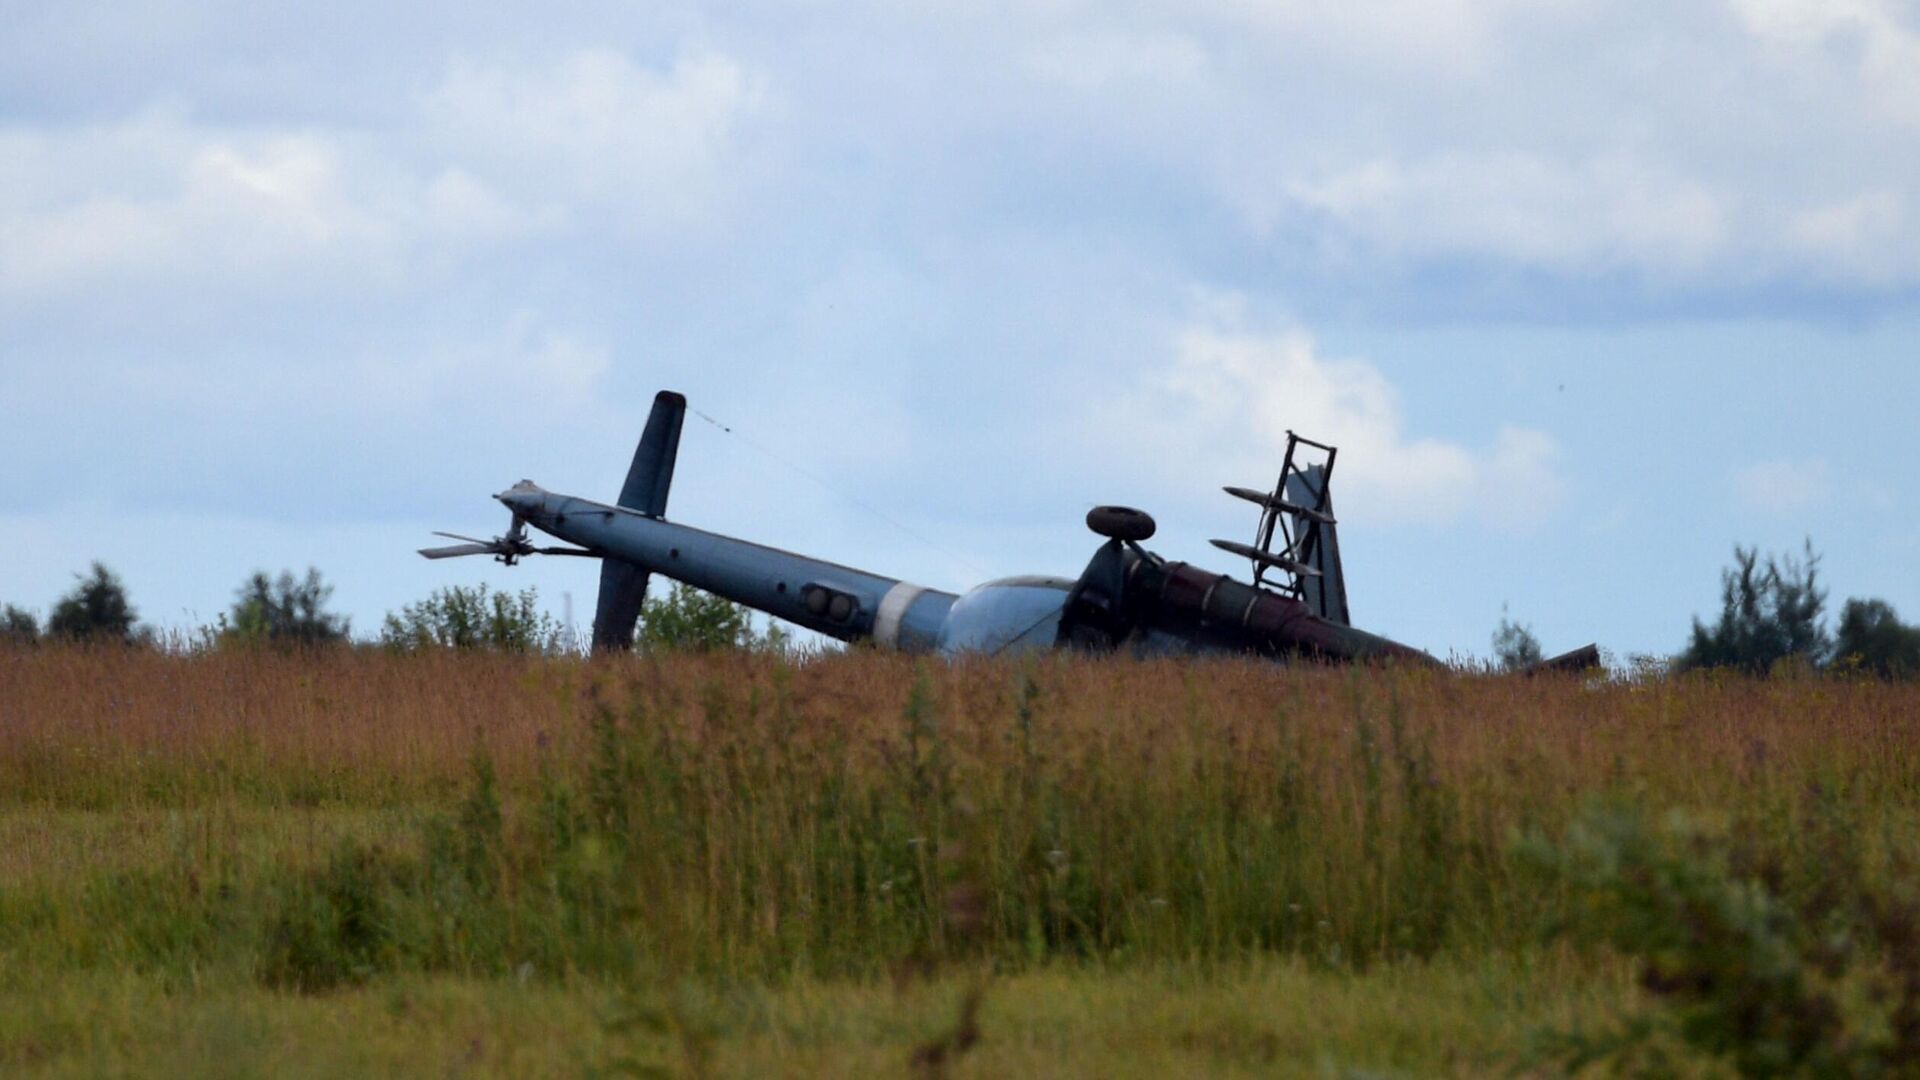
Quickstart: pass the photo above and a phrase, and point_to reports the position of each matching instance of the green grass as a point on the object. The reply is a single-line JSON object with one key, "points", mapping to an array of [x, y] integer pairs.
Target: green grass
{"points": [[1272, 1018]]}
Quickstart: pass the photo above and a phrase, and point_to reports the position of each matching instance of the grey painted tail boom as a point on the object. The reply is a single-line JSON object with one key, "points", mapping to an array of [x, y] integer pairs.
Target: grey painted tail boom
{"points": [[838, 601]]}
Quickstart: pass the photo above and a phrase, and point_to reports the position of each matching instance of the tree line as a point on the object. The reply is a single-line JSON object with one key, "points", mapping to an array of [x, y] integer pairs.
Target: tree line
{"points": [[1772, 618], [287, 610]]}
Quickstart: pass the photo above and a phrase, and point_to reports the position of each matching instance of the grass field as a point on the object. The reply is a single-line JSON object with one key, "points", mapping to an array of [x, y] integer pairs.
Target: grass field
{"points": [[252, 863]]}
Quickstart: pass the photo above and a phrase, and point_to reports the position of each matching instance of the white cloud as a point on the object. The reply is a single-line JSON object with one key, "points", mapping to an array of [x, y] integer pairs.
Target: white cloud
{"points": [[596, 126], [1237, 393], [1783, 486], [159, 197], [1877, 47], [1448, 37], [1100, 60], [1590, 215], [1868, 237]]}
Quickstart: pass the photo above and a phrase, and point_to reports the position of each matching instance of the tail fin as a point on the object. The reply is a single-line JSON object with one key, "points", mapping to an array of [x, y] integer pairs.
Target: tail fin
{"points": [[651, 474], [1325, 592], [623, 585]]}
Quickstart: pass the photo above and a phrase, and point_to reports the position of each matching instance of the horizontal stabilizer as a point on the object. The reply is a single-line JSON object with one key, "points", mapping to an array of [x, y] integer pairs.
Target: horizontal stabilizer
{"points": [[1282, 505], [1267, 558]]}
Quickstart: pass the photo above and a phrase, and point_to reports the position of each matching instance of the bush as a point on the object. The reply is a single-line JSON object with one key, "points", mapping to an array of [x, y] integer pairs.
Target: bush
{"points": [[1514, 646], [691, 619], [284, 610], [18, 625], [95, 610], [1873, 639], [1770, 612], [1774, 965], [458, 617]]}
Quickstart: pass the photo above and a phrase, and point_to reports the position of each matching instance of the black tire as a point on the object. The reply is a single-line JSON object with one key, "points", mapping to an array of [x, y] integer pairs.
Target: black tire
{"points": [[1120, 522]]}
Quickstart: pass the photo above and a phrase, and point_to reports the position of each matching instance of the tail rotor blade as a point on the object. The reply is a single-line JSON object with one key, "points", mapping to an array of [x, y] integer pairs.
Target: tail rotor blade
{"points": [[457, 536], [456, 550]]}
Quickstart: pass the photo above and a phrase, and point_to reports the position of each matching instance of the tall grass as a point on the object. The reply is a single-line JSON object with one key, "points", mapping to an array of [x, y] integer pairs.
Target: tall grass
{"points": [[742, 816]]}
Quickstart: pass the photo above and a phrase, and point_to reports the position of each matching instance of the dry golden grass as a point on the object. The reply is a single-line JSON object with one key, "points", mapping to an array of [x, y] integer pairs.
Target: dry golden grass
{"points": [[218, 822], [111, 726]]}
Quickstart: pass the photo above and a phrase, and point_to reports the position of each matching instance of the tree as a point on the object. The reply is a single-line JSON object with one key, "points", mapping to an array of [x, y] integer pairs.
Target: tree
{"points": [[18, 625], [1514, 646], [689, 618], [96, 609], [1873, 639], [458, 617], [1770, 612], [285, 611]]}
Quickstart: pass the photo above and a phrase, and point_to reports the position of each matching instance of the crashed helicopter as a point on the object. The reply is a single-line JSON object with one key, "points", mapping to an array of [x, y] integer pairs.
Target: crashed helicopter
{"points": [[1127, 598]]}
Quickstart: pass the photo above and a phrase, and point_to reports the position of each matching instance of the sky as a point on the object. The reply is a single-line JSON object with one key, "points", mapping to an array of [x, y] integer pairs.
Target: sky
{"points": [[1587, 292]]}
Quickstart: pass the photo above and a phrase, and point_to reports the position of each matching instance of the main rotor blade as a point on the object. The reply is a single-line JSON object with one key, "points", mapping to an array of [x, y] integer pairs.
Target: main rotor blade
{"points": [[1282, 505], [457, 550], [1268, 558]]}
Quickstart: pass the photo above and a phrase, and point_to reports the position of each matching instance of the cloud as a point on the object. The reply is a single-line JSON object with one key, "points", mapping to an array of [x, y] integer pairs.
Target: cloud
{"points": [[654, 145], [1580, 216], [1729, 152], [159, 199], [1783, 486], [491, 154], [1875, 45], [1101, 60], [1446, 37], [1240, 390]]}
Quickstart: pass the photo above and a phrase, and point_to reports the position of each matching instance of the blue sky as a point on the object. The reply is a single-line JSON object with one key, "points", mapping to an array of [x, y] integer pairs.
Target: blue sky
{"points": [[1587, 292]]}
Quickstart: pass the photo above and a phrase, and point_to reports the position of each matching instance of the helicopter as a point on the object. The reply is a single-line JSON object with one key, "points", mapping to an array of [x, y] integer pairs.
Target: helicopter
{"points": [[1126, 599]]}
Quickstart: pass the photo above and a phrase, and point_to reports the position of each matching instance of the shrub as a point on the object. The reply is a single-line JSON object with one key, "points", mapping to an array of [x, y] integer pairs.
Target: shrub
{"points": [[285, 610], [95, 610], [1873, 639], [1770, 612], [19, 625], [1773, 965], [1514, 646], [691, 619], [458, 617]]}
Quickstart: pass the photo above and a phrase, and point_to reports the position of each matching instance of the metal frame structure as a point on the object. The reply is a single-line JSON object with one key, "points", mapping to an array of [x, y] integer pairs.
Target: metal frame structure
{"points": [[1296, 531]]}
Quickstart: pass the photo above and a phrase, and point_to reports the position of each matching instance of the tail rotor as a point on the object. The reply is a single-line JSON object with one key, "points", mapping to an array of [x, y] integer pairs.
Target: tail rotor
{"points": [[506, 549]]}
